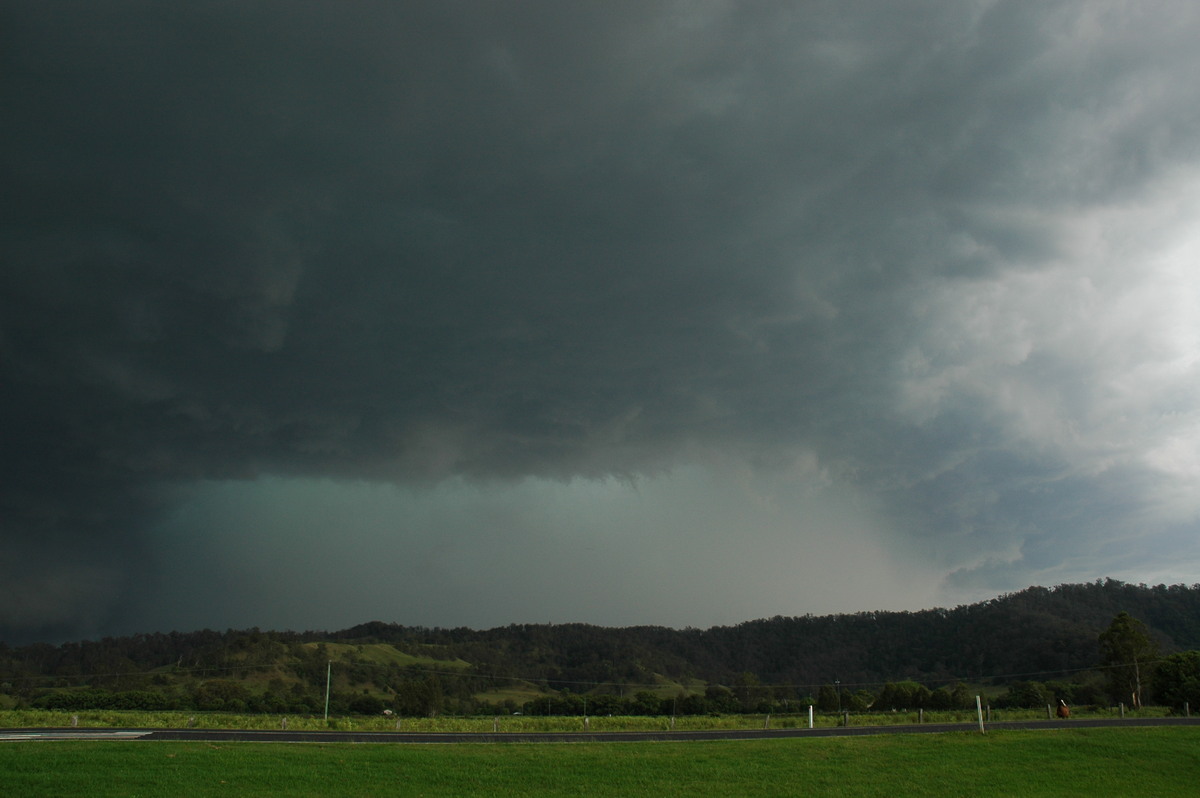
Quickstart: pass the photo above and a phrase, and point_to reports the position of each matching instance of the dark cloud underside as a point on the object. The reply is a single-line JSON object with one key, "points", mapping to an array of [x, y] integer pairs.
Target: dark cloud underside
{"points": [[940, 249]]}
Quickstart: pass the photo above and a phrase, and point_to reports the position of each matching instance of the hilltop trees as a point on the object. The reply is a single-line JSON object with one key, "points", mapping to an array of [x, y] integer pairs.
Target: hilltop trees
{"points": [[1048, 634]]}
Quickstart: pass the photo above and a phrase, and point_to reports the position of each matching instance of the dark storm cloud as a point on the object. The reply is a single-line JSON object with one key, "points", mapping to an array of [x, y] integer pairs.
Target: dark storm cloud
{"points": [[409, 242]]}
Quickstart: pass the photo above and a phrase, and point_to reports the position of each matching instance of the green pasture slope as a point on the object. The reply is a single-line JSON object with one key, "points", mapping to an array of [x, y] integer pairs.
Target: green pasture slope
{"points": [[1077, 762]]}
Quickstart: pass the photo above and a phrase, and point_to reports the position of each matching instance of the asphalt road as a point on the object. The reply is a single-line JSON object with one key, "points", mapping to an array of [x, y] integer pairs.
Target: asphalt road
{"points": [[243, 735]]}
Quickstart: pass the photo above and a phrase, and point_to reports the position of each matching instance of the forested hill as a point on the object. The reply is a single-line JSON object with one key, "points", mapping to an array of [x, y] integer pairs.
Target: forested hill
{"points": [[1038, 630], [1037, 633]]}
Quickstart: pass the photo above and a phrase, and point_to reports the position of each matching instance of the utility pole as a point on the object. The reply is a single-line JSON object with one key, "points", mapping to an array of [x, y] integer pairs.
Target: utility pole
{"points": [[328, 678]]}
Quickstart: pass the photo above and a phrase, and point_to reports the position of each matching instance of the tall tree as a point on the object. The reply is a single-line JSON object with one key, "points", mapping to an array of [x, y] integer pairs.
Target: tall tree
{"points": [[1127, 648]]}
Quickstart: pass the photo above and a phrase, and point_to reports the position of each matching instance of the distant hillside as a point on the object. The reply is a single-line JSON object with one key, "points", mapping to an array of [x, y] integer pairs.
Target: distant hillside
{"points": [[1035, 634], [1042, 630]]}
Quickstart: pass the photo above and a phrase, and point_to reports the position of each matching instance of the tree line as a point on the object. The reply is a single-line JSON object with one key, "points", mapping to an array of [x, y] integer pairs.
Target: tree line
{"points": [[1071, 642]]}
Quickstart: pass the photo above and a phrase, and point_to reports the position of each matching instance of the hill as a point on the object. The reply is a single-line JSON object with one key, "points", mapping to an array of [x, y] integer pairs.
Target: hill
{"points": [[1035, 634]]}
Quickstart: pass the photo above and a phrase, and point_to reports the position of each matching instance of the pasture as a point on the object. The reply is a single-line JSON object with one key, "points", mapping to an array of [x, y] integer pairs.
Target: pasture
{"points": [[1129, 761], [126, 719]]}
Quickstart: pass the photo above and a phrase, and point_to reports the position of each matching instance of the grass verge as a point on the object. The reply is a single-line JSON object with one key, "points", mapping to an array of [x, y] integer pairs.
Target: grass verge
{"points": [[1075, 762]]}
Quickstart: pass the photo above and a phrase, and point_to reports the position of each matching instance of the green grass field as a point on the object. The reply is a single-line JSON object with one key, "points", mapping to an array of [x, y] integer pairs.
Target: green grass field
{"points": [[1083, 762]]}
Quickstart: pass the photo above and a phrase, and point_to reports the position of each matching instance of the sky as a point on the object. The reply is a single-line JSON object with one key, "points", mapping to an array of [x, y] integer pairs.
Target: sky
{"points": [[673, 313]]}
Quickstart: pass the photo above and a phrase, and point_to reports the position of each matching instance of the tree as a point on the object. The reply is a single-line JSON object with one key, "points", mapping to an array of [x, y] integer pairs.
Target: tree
{"points": [[1127, 648], [646, 703], [366, 704], [750, 692], [942, 698], [860, 700], [1177, 680], [961, 695], [828, 699], [904, 695], [1027, 695], [418, 697], [894, 697], [720, 699], [221, 695]]}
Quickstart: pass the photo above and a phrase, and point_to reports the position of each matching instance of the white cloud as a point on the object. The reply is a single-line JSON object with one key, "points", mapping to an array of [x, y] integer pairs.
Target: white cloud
{"points": [[1091, 356]]}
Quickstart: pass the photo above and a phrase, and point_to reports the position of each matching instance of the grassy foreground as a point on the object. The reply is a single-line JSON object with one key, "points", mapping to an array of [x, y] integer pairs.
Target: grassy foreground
{"points": [[1083, 762]]}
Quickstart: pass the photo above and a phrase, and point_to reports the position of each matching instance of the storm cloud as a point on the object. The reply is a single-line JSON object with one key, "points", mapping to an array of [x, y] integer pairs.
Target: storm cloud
{"points": [[682, 313]]}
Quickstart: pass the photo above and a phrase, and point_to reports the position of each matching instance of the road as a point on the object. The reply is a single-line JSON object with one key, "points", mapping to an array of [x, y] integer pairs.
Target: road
{"points": [[263, 736]]}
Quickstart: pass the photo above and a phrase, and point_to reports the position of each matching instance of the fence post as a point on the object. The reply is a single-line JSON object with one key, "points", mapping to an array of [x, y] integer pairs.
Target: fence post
{"points": [[810, 716], [1122, 706], [846, 718], [767, 721], [1187, 712], [1049, 714], [920, 714], [979, 712]]}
